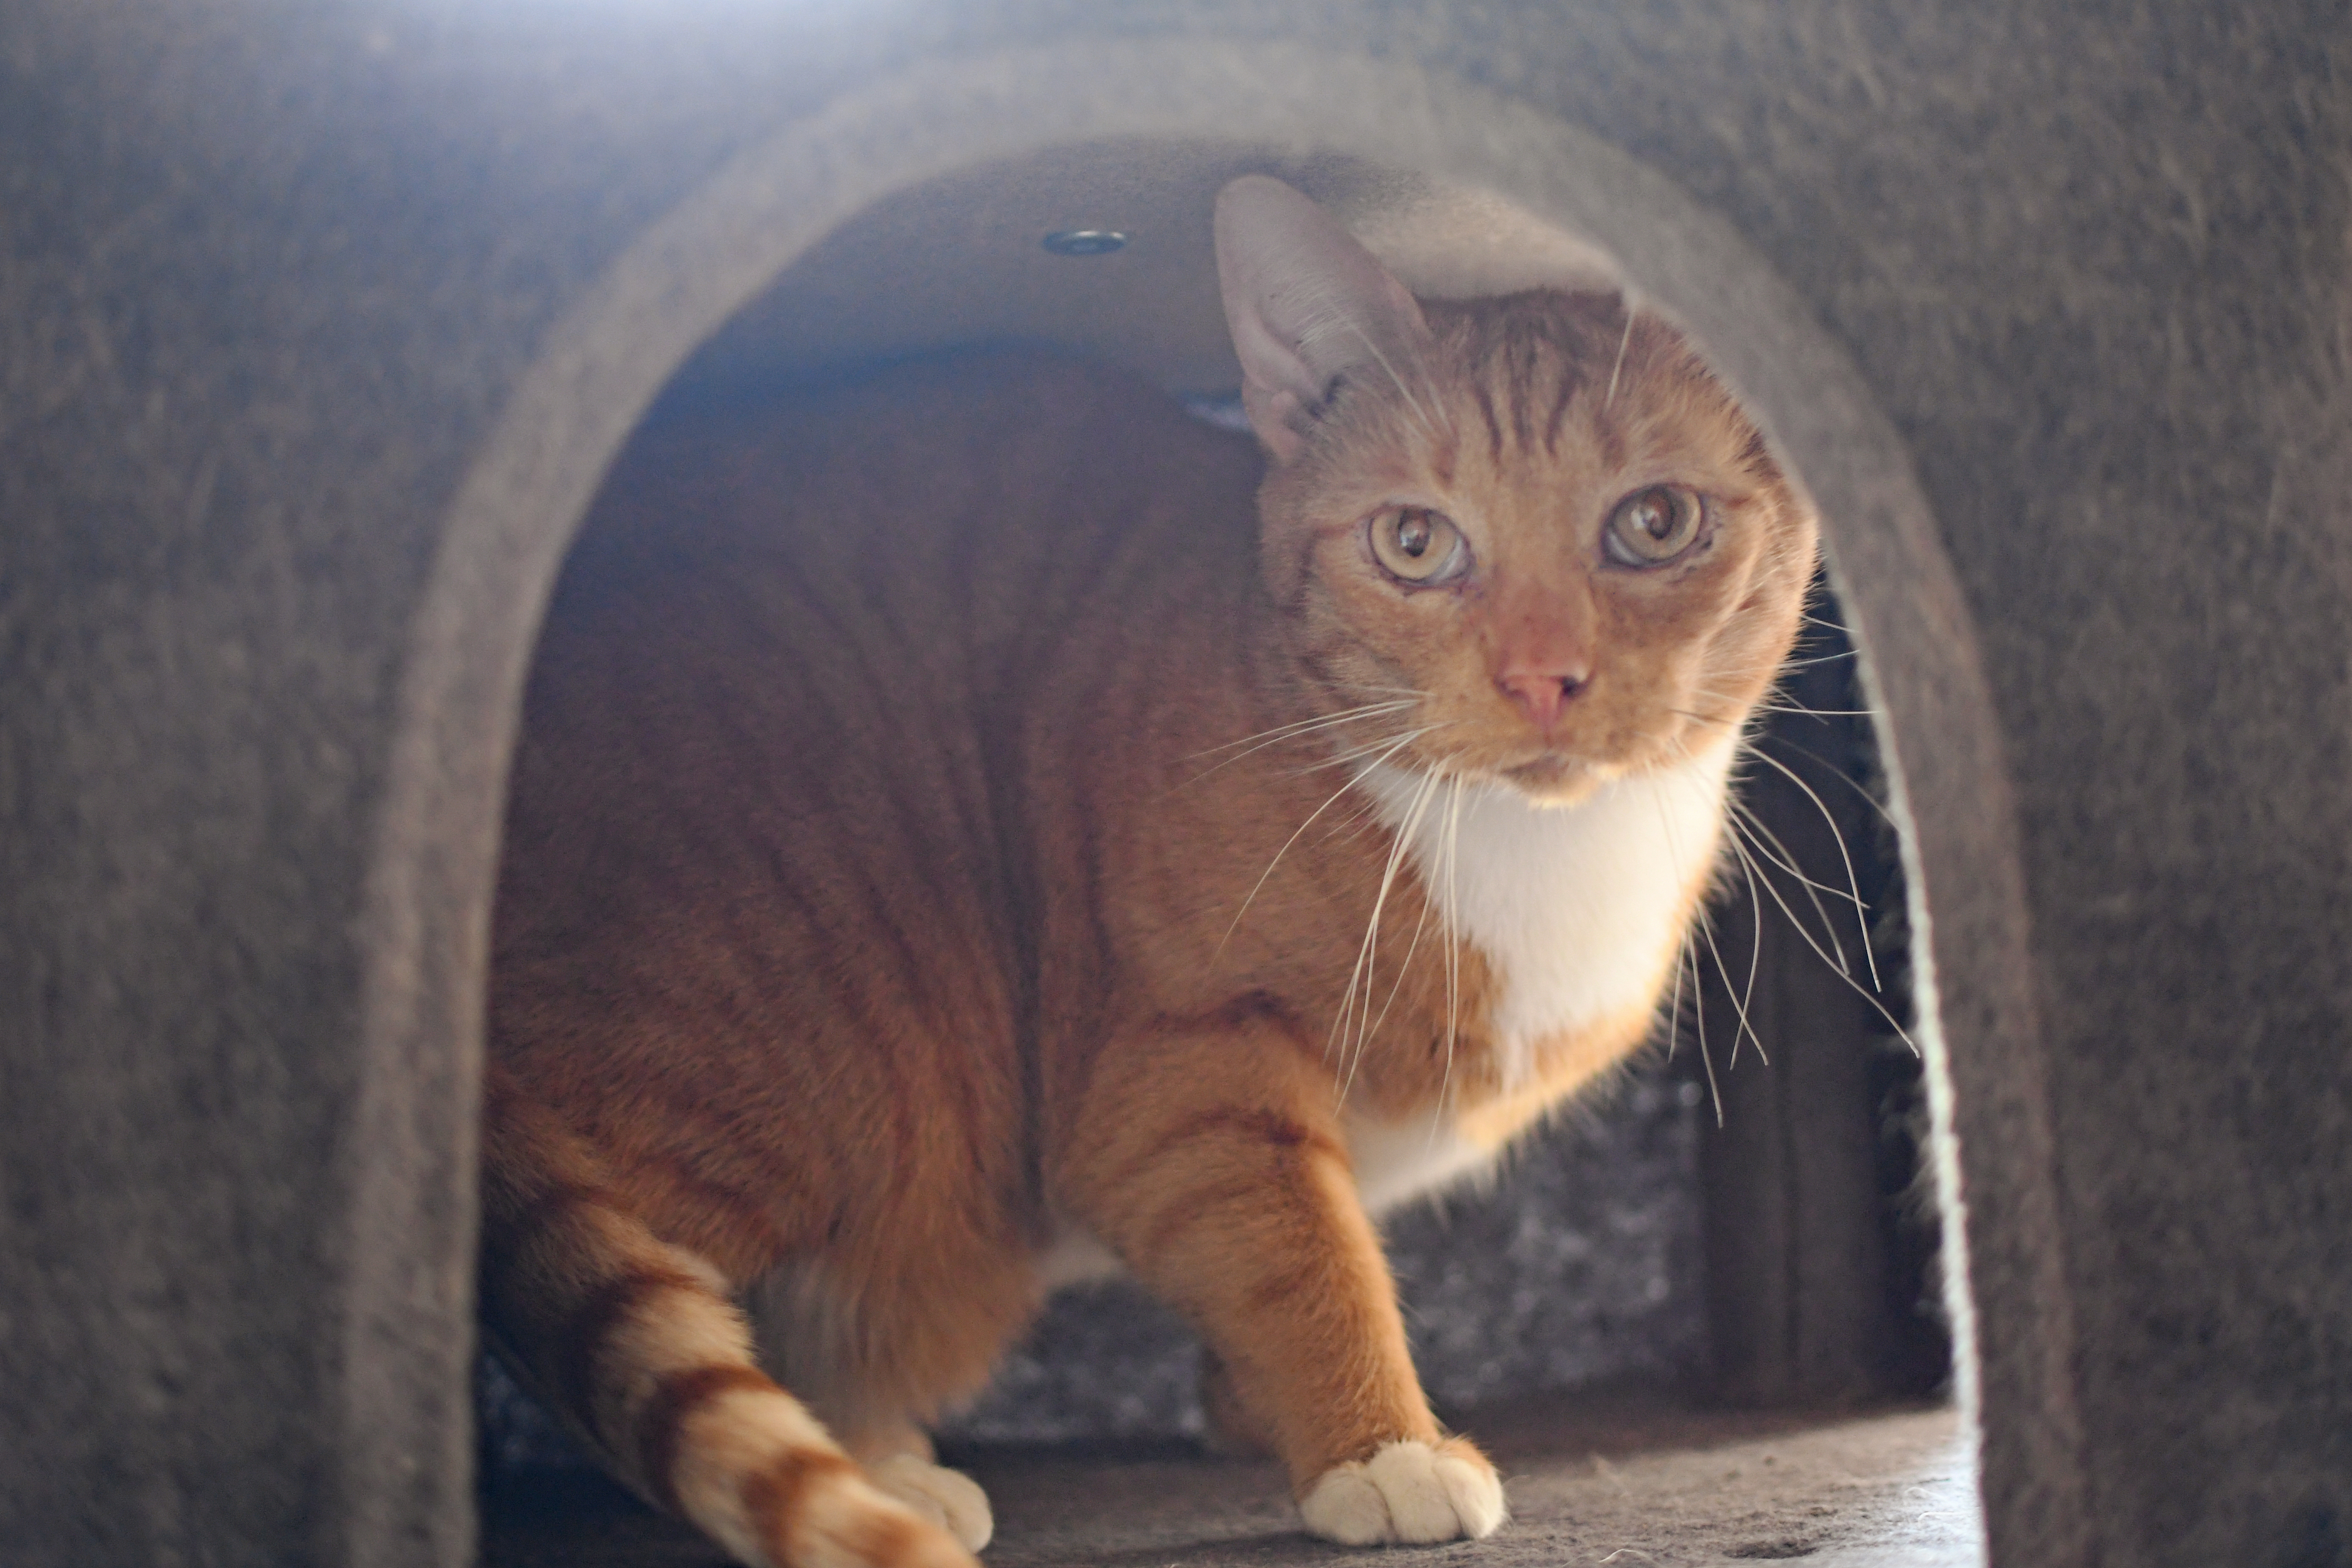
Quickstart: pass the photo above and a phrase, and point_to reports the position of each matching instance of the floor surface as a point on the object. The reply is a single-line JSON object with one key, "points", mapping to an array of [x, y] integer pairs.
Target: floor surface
{"points": [[1630, 1485]]}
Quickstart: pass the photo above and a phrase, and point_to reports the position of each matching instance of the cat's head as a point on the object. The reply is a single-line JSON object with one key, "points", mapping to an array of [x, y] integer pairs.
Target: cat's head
{"points": [[1538, 524]]}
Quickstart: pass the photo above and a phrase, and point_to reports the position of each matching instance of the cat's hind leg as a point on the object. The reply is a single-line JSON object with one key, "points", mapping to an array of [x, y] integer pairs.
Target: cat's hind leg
{"points": [[637, 1345], [881, 1339], [903, 1465]]}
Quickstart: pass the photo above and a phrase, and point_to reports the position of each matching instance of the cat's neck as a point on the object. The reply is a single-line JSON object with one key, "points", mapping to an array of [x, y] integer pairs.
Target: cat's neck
{"points": [[1579, 909]]}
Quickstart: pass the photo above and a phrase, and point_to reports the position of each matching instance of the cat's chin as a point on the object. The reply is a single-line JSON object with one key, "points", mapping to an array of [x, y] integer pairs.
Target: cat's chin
{"points": [[1552, 780]]}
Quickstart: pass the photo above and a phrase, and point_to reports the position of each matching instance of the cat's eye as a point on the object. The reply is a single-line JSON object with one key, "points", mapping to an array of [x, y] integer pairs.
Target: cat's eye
{"points": [[1414, 544], [1652, 527]]}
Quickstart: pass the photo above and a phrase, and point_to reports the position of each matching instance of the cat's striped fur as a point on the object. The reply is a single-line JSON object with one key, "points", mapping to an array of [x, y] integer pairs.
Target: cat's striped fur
{"points": [[974, 816]]}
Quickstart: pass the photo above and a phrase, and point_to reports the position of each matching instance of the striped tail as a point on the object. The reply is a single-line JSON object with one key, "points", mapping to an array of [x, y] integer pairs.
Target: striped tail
{"points": [[635, 1343]]}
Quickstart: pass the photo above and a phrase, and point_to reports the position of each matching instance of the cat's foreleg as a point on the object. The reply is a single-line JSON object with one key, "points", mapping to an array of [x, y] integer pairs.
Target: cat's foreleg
{"points": [[1212, 1162], [1234, 1429]]}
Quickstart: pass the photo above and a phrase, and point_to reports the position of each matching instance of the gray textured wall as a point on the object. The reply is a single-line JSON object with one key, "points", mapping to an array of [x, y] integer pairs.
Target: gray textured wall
{"points": [[317, 321]]}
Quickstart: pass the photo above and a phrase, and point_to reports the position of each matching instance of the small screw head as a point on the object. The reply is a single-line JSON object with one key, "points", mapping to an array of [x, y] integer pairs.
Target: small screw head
{"points": [[1085, 242]]}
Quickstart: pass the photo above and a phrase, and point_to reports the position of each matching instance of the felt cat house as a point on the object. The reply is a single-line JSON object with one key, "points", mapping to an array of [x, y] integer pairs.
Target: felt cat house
{"points": [[322, 323]]}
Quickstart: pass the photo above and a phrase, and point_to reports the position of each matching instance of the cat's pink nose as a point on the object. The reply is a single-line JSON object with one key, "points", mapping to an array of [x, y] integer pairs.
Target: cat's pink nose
{"points": [[1543, 693]]}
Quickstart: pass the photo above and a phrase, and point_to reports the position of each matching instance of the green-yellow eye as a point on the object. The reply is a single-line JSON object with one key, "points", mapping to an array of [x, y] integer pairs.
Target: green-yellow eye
{"points": [[1651, 527], [1415, 545]]}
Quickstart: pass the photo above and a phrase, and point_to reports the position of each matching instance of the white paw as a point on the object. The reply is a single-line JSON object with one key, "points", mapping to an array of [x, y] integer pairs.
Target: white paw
{"points": [[1407, 1491], [948, 1498]]}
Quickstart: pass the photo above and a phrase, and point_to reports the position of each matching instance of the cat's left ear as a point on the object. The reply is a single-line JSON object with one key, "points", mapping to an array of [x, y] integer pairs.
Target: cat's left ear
{"points": [[1307, 303]]}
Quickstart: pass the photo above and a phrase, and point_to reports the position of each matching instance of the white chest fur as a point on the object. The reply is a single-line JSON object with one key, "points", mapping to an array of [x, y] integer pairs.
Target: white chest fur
{"points": [[1574, 908], [1396, 1162]]}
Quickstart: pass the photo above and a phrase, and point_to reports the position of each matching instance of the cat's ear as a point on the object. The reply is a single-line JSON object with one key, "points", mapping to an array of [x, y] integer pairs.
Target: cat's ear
{"points": [[1305, 303]]}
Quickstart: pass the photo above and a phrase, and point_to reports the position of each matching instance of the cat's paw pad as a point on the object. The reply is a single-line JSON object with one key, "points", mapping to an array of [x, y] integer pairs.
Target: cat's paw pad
{"points": [[948, 1498], [1407, 1491]]}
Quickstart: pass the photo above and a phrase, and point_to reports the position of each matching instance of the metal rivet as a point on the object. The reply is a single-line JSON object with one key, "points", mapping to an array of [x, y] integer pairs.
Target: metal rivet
{"points": [[1085, 242]]}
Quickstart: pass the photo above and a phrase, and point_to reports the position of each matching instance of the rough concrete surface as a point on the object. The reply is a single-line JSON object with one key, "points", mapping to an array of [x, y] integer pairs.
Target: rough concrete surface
{"points": [[1613, 1481]]}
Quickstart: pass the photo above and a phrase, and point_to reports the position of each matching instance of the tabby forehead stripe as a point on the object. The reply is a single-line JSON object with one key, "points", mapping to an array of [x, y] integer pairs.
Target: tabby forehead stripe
{"points": [[775, 1497], [1493, 425], [661, 1424], [609, 1305], [1519, 389], [1442, 460], [1569, 384]]}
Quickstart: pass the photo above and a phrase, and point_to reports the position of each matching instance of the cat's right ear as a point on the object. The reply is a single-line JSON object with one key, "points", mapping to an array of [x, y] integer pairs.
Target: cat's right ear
{"points": [[1305, 303]]}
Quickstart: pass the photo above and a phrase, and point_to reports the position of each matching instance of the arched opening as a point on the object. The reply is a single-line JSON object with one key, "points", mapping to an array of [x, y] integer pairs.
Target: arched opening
{"points": [[857, 177]]}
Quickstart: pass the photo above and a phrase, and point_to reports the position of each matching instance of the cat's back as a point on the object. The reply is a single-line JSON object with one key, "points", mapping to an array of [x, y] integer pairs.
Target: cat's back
{"points": [[970, 498], [790, 675], [768, 841]]}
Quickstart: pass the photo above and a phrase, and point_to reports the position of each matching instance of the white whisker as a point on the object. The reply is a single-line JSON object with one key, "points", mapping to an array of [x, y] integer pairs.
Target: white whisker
{"points": [[1294, 731], [1380, 746], [1803, 712], [1631, 309], [1782, 857], [1818, 659], [1738, 1004], [1750, 827], [1367, 955], [1755, 954], [1286, 843], [1366, 747], [1674, 1009], [1301, 726], [1356, 823], [1844, 973], [1853, 884], [1404, 965], [1688, 949], [1453, 946], [1698, 1017], [1833, 770]]}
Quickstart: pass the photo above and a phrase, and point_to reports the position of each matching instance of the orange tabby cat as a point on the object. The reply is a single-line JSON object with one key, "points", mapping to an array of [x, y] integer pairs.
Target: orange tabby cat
{"points": [[978, 826]]}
